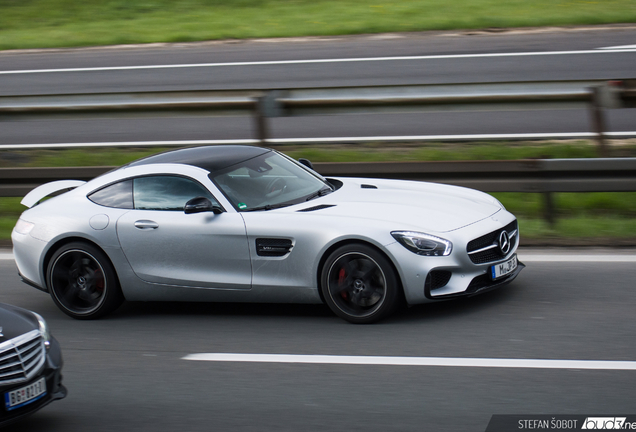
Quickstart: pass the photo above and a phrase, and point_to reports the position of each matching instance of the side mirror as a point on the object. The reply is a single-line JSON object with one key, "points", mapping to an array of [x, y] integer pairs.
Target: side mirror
{"points": [[306, 162], [201, 204]]}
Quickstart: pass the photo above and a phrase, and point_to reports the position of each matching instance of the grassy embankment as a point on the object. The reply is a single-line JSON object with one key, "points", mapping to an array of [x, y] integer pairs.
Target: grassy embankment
{"points": [[580, 216], [71, 23]]}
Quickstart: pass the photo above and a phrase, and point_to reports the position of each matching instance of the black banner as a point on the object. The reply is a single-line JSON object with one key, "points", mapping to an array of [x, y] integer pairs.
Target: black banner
{"points": [[527, 422]]}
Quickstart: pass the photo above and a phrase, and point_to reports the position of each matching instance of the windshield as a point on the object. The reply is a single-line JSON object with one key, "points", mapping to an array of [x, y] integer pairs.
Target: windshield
{"points": [[268, 181]]}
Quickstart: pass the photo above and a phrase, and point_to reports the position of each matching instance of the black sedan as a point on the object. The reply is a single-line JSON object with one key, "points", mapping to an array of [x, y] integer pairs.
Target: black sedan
{"points": [[30, 364]]}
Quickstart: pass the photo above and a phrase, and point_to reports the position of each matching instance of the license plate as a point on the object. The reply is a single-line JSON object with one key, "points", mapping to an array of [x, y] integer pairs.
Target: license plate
{"points": [[500, 270], [25, 395]]}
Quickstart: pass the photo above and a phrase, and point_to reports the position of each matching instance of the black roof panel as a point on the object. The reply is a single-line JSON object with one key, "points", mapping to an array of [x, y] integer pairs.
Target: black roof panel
{"points": [[211, 158]]}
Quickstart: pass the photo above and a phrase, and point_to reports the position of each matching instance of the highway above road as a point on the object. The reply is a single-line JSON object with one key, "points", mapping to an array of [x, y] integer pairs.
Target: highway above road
{"points": [[394, 59], [524, 349]]}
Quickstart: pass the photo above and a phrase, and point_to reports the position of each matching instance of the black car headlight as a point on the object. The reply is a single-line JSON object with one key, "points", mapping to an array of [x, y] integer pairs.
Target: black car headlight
{"points": [[44, 330], [423, 244]]}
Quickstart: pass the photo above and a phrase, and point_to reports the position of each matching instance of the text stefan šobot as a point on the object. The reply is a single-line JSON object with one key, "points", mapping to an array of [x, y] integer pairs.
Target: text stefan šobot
{"points": [[547, 424]]}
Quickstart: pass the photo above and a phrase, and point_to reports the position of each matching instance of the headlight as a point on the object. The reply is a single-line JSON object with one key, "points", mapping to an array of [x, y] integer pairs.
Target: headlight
{"points": [[423, 244], [44, 329], [23, 227]]}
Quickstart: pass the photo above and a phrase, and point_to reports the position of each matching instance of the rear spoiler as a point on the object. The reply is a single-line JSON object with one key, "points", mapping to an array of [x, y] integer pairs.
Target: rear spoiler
{"points": [[40, 192]]}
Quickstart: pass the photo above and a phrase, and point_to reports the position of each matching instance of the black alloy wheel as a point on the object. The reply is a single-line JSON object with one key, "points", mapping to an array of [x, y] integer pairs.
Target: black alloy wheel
{"points": [[82, 281], [359, 284]]}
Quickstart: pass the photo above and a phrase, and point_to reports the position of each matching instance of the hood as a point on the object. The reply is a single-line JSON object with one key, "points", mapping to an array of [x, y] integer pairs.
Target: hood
{"points": [[409, 204], [15, 322]]}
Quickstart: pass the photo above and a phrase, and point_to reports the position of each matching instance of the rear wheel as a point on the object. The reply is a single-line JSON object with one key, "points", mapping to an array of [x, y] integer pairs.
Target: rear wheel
{"points": [[82, 281], [359, 284]]}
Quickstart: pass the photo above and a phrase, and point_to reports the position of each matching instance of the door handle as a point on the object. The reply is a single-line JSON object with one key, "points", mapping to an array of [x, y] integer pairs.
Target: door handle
{"points": [[146, 224]]}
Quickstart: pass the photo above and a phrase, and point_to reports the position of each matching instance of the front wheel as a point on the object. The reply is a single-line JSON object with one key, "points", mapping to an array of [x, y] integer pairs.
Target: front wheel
{"points": [[82, 281], [359, 284]]}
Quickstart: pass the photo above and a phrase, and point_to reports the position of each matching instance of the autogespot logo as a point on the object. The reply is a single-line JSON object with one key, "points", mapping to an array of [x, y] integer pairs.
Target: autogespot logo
{"points": [[600, 423]]}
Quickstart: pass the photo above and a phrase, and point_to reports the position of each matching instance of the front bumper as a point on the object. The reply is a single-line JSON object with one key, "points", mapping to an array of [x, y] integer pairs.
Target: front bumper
{"points": [[478, 285], [427, 279], [52, 371]]}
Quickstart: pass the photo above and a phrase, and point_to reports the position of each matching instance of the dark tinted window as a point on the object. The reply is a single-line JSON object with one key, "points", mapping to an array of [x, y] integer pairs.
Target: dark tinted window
{"points": [[167, 192], [117, 195]]}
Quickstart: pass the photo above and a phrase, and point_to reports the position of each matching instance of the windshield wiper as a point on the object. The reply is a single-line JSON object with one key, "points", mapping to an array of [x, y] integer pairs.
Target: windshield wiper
{"points": [[266, 207], [322, 192]]}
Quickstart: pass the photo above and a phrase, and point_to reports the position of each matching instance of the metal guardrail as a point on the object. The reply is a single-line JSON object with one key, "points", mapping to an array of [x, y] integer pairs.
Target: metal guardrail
{"points": [[262, 105], [545, 176]]}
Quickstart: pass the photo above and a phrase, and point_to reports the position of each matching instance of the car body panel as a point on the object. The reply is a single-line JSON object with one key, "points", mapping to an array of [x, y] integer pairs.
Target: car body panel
{"points": [[215, 257], [202, 250], [21, 326]]}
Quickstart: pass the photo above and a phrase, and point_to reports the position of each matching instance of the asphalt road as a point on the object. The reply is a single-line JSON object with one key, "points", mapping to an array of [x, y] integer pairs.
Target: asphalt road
{"points": [[327, 62], [126, 372]]}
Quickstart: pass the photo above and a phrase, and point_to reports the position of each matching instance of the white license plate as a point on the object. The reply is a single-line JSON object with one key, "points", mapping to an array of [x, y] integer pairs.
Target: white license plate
{"points": [[25, 395], [500, 270]]}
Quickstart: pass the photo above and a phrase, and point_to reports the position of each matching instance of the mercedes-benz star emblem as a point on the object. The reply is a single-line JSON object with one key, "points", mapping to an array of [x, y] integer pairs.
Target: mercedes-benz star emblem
{"points": [[504, 243]]}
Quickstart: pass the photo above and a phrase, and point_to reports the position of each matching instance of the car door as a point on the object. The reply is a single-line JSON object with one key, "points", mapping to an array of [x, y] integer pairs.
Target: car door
{"points": [[166, 246]]}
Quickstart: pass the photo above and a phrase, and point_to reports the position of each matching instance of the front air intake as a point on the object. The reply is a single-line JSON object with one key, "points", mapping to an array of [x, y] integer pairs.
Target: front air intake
{"points": [[437, 279]]}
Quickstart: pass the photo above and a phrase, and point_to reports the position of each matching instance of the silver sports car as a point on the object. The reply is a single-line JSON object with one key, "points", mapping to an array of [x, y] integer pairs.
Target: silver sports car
{"points": [[249, 224]]}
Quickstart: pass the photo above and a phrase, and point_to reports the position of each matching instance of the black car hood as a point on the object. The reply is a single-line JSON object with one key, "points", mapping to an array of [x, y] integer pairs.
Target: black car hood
{"points": [[15, 321]]}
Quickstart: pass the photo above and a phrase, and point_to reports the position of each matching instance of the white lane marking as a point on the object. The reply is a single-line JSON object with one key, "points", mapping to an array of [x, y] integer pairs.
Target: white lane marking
{"points": [[621, 47], [314, 61], [415, 361], [6, 256], [397, 138], [579, 258]]}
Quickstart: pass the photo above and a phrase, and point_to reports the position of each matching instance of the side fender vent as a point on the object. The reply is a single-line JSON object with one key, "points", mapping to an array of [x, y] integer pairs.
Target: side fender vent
{"points": [[318, 207], [368, 186], [273, 247]]}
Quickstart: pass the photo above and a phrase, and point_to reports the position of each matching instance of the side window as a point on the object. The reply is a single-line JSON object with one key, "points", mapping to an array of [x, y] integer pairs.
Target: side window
{"points": [[118, 195], [166, 192]]}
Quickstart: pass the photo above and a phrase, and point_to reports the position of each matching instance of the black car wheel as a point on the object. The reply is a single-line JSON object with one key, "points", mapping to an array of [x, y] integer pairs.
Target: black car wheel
{"points": [[82, 281], [359, 284]]}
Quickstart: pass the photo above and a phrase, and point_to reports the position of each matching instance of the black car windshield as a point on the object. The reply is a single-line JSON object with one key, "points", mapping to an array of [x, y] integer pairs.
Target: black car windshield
{"points": [[268, 181]]}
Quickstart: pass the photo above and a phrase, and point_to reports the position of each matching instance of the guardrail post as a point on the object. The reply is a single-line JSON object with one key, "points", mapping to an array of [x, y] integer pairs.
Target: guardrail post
{"points": [[548, 209], [598, 120], [260, 121], [266, 106]]}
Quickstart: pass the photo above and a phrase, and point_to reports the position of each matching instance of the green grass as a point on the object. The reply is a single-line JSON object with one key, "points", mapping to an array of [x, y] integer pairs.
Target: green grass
{"points": [[373, 152], [579, 227], [69, 23]]}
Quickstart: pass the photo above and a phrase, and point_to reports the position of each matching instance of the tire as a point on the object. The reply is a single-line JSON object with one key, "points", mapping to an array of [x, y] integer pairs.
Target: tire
{"points": [[82, 281], [359, 284]]}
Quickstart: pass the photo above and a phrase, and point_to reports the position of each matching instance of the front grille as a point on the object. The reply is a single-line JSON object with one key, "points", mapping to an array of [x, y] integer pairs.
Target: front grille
{"points": [[21, 358], [436, 279], [488, 243]]}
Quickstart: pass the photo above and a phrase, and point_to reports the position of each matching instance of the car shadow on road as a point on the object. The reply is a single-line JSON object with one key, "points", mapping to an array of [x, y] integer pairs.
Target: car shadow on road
{"points": [[442, 310], [454, 308], [144, 309]]}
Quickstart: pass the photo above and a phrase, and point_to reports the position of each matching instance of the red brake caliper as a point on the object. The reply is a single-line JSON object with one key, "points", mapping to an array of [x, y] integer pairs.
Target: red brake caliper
{"points": [[341, 279], [100, 281]]}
